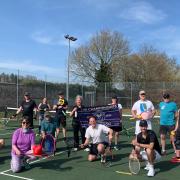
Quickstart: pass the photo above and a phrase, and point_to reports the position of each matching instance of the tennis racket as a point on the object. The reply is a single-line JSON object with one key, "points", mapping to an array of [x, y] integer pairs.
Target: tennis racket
{"points": [[134, 165], [46, 148], [61, 103]]}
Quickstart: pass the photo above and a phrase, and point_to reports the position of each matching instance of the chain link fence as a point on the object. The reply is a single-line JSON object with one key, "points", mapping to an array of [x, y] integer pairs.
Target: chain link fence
{"points": [[13, 86]]}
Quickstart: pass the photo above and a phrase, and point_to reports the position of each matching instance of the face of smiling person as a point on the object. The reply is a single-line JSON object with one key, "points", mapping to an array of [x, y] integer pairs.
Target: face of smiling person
{"points": [[92, 122], [25, 124], [142, 95], [78, 101]]}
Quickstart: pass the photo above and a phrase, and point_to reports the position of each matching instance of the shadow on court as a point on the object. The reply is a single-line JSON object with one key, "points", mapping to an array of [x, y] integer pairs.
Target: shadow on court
{"points": [[56, 165]]}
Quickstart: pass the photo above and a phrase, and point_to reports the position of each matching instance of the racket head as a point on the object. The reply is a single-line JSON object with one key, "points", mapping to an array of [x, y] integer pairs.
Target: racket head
{"points": [[61, 102], [48, 144], [146, 115], [134, 165]]}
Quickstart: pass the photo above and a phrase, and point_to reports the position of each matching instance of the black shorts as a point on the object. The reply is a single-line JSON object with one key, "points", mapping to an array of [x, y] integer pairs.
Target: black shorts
{"points": [[177, 141], [164, 129], [60, 120], [116, 128], [94, 150]]}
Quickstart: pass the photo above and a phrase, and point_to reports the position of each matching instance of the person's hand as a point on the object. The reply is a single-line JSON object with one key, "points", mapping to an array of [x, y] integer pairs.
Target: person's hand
{"points": [[134, 142], [60, 107], [13, 116], [18, 152], [82, 146], [75, 109]]}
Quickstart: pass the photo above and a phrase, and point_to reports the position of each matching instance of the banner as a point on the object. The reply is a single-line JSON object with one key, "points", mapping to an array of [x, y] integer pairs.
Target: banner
{"points": [[106, 115]]}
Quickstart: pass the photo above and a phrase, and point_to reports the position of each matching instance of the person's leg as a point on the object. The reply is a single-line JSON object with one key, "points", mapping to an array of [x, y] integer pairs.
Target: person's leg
{"points": [[63, 123], [57, 122], [16, 164], [151, 157], [82, 131], [172, 137], [93, 153], [76, 135], [163, 132]]}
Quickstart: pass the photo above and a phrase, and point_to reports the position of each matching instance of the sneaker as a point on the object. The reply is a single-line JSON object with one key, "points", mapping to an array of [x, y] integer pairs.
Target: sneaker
{"points": [[151, 171], [116, 148], [87, 149], [163, 152], [103, 159], [147, 166], [75, 149], [26, 164]]}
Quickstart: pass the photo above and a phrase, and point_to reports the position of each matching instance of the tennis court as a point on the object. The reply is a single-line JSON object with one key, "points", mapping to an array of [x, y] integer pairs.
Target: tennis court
{"points": [[77, 166]]}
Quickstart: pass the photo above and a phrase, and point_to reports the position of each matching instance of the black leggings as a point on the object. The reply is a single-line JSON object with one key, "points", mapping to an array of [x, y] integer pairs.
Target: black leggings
{"points": [[76, 128]]}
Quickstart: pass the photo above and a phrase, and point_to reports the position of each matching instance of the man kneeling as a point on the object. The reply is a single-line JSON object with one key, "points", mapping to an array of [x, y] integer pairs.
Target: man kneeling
{"points": [[146, 140], [97, 134]]}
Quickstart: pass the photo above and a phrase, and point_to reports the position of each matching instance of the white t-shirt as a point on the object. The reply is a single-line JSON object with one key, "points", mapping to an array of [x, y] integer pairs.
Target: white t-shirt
{"points": [[97, 134], [142, 106]]}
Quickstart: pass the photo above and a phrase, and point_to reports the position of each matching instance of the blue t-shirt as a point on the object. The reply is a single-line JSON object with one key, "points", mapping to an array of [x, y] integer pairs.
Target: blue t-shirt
{"points": [[49, 127], [167, 113]]}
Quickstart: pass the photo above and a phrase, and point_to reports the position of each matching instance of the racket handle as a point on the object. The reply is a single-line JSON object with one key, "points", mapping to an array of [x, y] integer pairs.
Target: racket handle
{"points": [[75, 114]]}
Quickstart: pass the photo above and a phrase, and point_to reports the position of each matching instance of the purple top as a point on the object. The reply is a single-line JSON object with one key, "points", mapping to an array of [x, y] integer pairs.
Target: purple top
{"points": [[23, 141]]}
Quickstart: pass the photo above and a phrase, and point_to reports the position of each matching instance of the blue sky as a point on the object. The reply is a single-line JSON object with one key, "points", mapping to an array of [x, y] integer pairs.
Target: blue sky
{"points": [[32, 31]]}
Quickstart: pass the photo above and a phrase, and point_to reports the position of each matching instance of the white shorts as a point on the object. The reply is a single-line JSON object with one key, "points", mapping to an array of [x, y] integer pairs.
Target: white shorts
{"points": [[138, 130], [144, 155]]}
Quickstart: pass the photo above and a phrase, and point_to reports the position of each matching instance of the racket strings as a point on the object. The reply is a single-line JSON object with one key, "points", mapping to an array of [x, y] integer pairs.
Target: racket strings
{"points": [[134, 166]]}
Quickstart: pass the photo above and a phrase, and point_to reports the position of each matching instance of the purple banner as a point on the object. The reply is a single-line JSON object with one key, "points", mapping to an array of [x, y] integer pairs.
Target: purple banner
{"points": [[107, 115]]}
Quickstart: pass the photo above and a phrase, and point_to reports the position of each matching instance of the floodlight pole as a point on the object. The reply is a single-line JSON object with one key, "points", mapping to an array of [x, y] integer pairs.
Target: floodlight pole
{"points": [[69, 38]]}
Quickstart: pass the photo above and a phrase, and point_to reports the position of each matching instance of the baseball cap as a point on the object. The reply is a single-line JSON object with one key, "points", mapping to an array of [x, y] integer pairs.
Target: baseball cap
{"points": [[46, 114], [166, 96], [143, 123], [26, 94], [142, 92]]}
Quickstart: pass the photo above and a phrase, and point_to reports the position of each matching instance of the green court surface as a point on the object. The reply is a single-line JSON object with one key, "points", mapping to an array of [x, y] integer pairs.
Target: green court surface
{"points": [[77, 166]]}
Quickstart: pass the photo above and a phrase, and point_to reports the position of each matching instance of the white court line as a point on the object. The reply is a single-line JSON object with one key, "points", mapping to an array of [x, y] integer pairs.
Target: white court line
{"points": [[5, 134], [20, 177]]}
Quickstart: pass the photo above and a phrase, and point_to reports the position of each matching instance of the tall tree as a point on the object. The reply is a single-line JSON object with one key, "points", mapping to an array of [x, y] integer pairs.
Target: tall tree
{"points": [[95, 60]]}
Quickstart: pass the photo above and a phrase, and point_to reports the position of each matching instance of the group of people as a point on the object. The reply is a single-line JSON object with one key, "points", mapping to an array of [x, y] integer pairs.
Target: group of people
{"points": [[96, 138]]}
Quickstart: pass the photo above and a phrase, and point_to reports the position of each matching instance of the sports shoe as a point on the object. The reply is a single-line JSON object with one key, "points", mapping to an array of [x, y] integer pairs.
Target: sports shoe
{"points": [[151, 171], [103, 159], [87, 149], [75, 149], [163, 152], [147, 166], [116, 148]]}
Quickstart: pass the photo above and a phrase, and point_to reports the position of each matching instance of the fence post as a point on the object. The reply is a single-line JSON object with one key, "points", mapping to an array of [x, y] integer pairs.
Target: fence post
{"points": [[105, 95], [17, 89], [131, 94], [45, 86]]}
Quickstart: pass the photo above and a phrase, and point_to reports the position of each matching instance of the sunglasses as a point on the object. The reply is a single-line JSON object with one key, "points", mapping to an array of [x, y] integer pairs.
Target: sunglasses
{"points": [[143, 94], [24, 122]]}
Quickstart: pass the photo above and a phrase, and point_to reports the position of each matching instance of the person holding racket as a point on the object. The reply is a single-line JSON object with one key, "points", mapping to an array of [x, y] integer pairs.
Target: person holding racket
{"points": [[60, 116], [141, 106], [168, 115], [76, 124], [117, 129], [97, 134], [23, 140], [42, 108], [27, 107], [146, 140]]}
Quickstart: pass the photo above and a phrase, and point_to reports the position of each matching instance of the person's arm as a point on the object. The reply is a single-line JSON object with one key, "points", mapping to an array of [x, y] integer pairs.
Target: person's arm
{"points": [[14, 143], [39, 106], [86, 143], [49, 107], [146, 146], [153, 110], [134, 112], [73, 111], [32, 140], [43, 134], [177, 121]]}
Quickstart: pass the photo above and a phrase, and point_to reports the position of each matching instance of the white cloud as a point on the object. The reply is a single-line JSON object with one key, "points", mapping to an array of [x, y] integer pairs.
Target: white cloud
{"points": [[29, 68], [143, 12]]}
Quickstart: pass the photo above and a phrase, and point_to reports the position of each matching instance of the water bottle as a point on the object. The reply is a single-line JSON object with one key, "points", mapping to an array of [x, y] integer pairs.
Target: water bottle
{"points": [[75, 114]]}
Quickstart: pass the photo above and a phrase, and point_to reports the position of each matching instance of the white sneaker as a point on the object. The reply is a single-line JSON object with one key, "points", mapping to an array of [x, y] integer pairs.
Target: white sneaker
{"points": [[151, 171], [75, 149], [147, 166], [87, 149], [103, 159]]}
